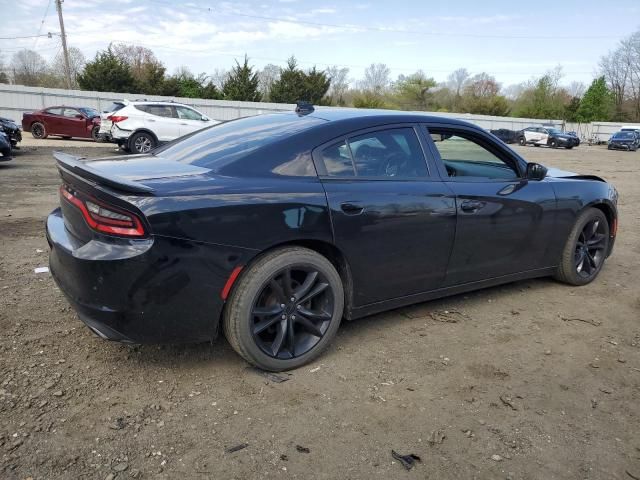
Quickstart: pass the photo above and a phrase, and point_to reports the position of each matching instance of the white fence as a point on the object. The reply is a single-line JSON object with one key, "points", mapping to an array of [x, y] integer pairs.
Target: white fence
{"points": [[17, 99]]}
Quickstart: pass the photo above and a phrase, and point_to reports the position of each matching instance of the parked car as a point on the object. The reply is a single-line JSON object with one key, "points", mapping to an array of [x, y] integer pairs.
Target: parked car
{"points": [[506, 135], [551, 137], [5, 147], [624, 140], [139, 127], [635, 129], [11, 130], [62, 121], [275, 227], [576, 136]]}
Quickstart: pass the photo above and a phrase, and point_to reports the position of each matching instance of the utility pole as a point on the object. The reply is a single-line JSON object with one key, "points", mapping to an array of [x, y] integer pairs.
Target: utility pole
{"points": [[67, 69]]}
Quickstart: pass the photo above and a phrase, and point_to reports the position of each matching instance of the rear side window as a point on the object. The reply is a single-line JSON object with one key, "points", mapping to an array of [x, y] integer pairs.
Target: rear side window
{"points": [[157, 110], [383, 153], [53, 111], [221, 146]]}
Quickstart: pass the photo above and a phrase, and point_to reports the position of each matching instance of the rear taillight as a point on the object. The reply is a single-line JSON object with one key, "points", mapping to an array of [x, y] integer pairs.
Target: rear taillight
{"points": [[102, 217], [116, 118]]}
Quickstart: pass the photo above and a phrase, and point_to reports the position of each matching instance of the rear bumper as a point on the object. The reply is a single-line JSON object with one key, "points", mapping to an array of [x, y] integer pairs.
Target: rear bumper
{"points": [[156, 290]]}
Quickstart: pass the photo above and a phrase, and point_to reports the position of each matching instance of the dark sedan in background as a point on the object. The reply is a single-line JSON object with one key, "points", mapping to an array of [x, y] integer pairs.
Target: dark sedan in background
{"points": [[624, 140], [12, 131], [62, 121], [275, 227]]}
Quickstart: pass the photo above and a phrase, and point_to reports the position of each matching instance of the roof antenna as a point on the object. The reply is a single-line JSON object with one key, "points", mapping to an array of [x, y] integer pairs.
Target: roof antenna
{"points": [[303, 107]]}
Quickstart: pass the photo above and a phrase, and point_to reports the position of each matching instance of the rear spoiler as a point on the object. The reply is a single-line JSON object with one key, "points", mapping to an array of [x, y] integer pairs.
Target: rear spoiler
{"points": [[74, 166]]}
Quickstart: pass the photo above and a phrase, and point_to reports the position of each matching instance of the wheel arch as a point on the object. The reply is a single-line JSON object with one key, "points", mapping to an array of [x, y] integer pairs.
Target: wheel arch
{"points": [[324, 248], [606, 208], [144, 130]]}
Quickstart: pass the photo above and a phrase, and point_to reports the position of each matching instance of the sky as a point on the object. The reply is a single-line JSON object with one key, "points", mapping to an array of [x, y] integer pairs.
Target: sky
{"points": [[513, 41]]}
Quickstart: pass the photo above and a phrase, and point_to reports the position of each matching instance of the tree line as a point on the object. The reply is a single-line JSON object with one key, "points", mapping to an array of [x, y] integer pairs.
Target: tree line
{"points": [[614, 95]]}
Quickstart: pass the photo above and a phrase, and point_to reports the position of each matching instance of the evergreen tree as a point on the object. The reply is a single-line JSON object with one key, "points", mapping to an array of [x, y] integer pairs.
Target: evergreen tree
{"points": [[597, 102], [242, 83], [316, 85], [107, 73], [295, 85]]}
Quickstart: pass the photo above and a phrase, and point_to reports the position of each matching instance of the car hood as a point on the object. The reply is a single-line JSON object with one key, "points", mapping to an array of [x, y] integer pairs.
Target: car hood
{"points": [[557, 173], [622, 140]]}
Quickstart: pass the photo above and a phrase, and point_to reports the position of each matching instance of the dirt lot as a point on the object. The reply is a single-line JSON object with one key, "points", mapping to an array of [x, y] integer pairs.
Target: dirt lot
{"points": [[533, 380]]}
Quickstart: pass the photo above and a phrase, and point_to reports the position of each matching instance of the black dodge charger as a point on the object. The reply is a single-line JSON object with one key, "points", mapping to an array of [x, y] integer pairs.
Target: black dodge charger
{"points": [[276, 227]]}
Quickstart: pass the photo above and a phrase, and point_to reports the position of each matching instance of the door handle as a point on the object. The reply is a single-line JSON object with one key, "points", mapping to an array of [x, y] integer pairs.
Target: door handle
{"points": [[471, 206], [184, 124], [351, 208], [151, 120]]}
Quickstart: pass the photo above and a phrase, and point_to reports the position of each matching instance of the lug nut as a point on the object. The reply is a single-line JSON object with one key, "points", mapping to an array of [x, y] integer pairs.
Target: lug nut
{"points": [[284, 317], [282, 305], [293, 299], [299, 307], [293, 317]]}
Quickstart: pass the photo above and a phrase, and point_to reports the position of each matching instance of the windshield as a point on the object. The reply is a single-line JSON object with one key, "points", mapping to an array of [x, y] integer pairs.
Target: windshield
{"points": [[624, 135], [115, 106], [89, 112], [221, 144]]}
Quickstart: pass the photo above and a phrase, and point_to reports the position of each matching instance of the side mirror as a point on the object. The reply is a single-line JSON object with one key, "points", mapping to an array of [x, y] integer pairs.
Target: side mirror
{"points": [[205, 118], [79, 116], [535, 171]]}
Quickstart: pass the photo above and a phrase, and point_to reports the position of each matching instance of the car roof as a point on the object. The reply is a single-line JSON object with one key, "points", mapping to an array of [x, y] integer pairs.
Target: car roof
{"points": [[334, 114]]}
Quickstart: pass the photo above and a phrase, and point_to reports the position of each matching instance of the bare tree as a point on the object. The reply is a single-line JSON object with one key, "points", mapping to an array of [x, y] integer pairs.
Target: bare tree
{"points": [[267, 76], [219, 76], [29, 68], [77, 62], [457, 79], [576, 89], [482, 85], [376, 78], [339, 83], [4, 74]]}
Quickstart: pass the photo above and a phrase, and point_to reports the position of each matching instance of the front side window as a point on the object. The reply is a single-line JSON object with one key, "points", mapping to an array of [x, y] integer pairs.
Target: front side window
{"points": [[188, 114], [70, 112], [463, 156], [383, 153]]}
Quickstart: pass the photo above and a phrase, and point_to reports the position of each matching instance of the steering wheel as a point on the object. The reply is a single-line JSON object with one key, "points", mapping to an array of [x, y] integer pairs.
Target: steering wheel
{"points": [[392, 165]]}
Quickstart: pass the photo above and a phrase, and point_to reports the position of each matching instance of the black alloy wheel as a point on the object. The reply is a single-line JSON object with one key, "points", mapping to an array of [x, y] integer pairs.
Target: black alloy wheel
{"points": [[38, 131], [586, 249], [553, 144], [590, 248], [292, 313], [522, 141], [284, 309]]}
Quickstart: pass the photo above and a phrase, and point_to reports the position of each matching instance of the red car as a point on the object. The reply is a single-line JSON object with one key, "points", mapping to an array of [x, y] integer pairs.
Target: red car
{"points": [[65, 122]]}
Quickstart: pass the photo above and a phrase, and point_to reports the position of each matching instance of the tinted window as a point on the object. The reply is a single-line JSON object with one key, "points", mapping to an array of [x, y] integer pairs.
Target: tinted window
{"points": [[70, 112], [337, 160], [388, 153], [188, 114], [222, 144], [465, 157], [157, 110], [54, 111], [89, 112]]}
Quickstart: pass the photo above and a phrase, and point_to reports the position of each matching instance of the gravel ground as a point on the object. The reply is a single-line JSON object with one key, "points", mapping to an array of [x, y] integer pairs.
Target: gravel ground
{"points": [[533, 380]]}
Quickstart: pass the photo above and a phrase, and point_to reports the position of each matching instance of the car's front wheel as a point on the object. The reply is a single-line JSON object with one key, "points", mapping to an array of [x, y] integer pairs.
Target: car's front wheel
{"points": [[522, 141], [586, 248], [553, 144], [285, 309], [142, 142]]}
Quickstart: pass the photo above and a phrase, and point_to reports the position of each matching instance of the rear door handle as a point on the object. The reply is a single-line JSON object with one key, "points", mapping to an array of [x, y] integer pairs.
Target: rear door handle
{"points": [[471, 206], [351, 208], [184, 124], [151, 120]]}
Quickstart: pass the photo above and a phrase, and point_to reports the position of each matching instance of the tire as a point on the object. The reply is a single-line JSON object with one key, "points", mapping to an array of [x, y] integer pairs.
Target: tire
{"points": [[142, 142], [253, 292], [39, 131], [94, 133], [569, 147], [553, 144], [571, 270], [609, 147], [522, 141]]}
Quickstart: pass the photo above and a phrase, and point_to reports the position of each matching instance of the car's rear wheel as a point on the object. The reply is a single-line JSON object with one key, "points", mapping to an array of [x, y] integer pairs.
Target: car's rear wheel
{"points": [[522, 141], [284, 309], [586, 249], [38, 130], [553, 144], [142, 142]]}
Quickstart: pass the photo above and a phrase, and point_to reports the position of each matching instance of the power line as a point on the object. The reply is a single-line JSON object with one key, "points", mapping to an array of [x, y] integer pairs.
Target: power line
{"points": [[30, 36], [356, 27], [44, 17]]}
